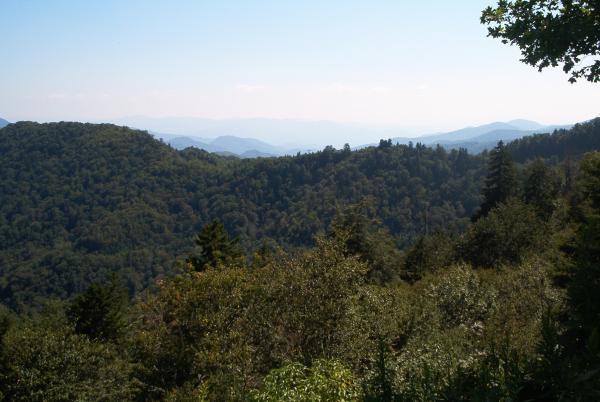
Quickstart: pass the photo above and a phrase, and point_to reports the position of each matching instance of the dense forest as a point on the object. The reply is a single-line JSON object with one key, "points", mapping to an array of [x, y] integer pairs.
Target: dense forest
{"points": [[79, 202], [132, 271]]}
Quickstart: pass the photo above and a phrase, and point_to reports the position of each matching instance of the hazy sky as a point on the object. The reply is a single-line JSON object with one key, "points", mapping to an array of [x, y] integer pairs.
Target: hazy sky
{"points": [[406, 63]]}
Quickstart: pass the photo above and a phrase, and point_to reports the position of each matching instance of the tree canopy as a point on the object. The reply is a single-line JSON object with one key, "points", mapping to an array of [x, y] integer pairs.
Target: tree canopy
{"points": [[501, 181], [79, 202], [505, 309], [551, 33], [214, 248]]}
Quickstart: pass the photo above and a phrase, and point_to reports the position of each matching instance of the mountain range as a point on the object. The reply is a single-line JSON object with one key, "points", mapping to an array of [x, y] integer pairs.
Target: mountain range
{"points": [[281, 132], [474, 139], [229, 145], [478, 138], [80, 201], [237, 137]]}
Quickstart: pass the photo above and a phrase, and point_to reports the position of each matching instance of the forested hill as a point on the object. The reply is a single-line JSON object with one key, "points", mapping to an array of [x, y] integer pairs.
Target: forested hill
{"points": [[78, 201], [560, 145]]}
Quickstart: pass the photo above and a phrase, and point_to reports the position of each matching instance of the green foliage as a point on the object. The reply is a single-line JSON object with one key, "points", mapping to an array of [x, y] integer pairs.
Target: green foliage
{"points": [[590, 179], [302, 311], [103, 199], [584, 287], [460, 297], [99, 311], [472, 335], [501, 375], [49, 362], [188, 393], [191, 330], [365, 238], [584, 290], [428, 255], [214, 248], [540, 188], [81, 201], [265, 254], [327, 319], [559, 146], [550, 33], [501, 181], [377, 325], [510, 233], [324, 381], [224, 327], [5, 323], [440, 346]]}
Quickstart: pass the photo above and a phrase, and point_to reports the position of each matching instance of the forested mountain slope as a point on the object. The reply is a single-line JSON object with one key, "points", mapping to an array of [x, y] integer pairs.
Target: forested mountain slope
{"points": [[78, 201], [559, 145]]}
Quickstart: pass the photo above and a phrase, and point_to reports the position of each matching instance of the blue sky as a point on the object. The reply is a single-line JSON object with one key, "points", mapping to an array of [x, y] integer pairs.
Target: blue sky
{"points": [[421, 64]]}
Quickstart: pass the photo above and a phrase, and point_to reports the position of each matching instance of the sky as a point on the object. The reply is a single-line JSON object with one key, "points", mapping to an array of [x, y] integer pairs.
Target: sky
{"points": [[421, 65]]}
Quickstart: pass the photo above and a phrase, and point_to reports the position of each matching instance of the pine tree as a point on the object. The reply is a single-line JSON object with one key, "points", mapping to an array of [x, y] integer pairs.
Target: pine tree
{"points": [[540, 188], [365, 238], [429, 254], [214, 247], [99, 311], [501, 181], [353, 225]]}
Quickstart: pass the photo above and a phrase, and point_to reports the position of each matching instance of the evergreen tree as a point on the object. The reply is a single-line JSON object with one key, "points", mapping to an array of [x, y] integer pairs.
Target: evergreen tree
{"points": [[214, 247], [353, 225], [590, 180], [584, 287], [99, 311], [540, 188], [364, 237], [501, 181], [506, 236], [429, 254]]}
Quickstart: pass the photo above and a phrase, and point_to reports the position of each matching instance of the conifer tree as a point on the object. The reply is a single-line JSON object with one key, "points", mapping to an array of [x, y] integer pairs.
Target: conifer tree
{"points": [[214, 247], [99, 311], [584, 288], [501, 181], [540, 188], [429, 254], [364, 237]]}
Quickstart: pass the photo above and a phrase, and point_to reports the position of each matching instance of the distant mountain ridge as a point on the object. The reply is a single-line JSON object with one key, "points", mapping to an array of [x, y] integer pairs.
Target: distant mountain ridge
{"points": [[231, 146], [475, 138], [479, 138], [279, 132]]}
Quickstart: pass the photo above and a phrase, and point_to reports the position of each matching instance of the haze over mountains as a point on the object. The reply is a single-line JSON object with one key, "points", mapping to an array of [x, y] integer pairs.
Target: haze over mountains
{"points": [[245, 138], [479, 138], [269, 137], [229, 145], [287, 133]]}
